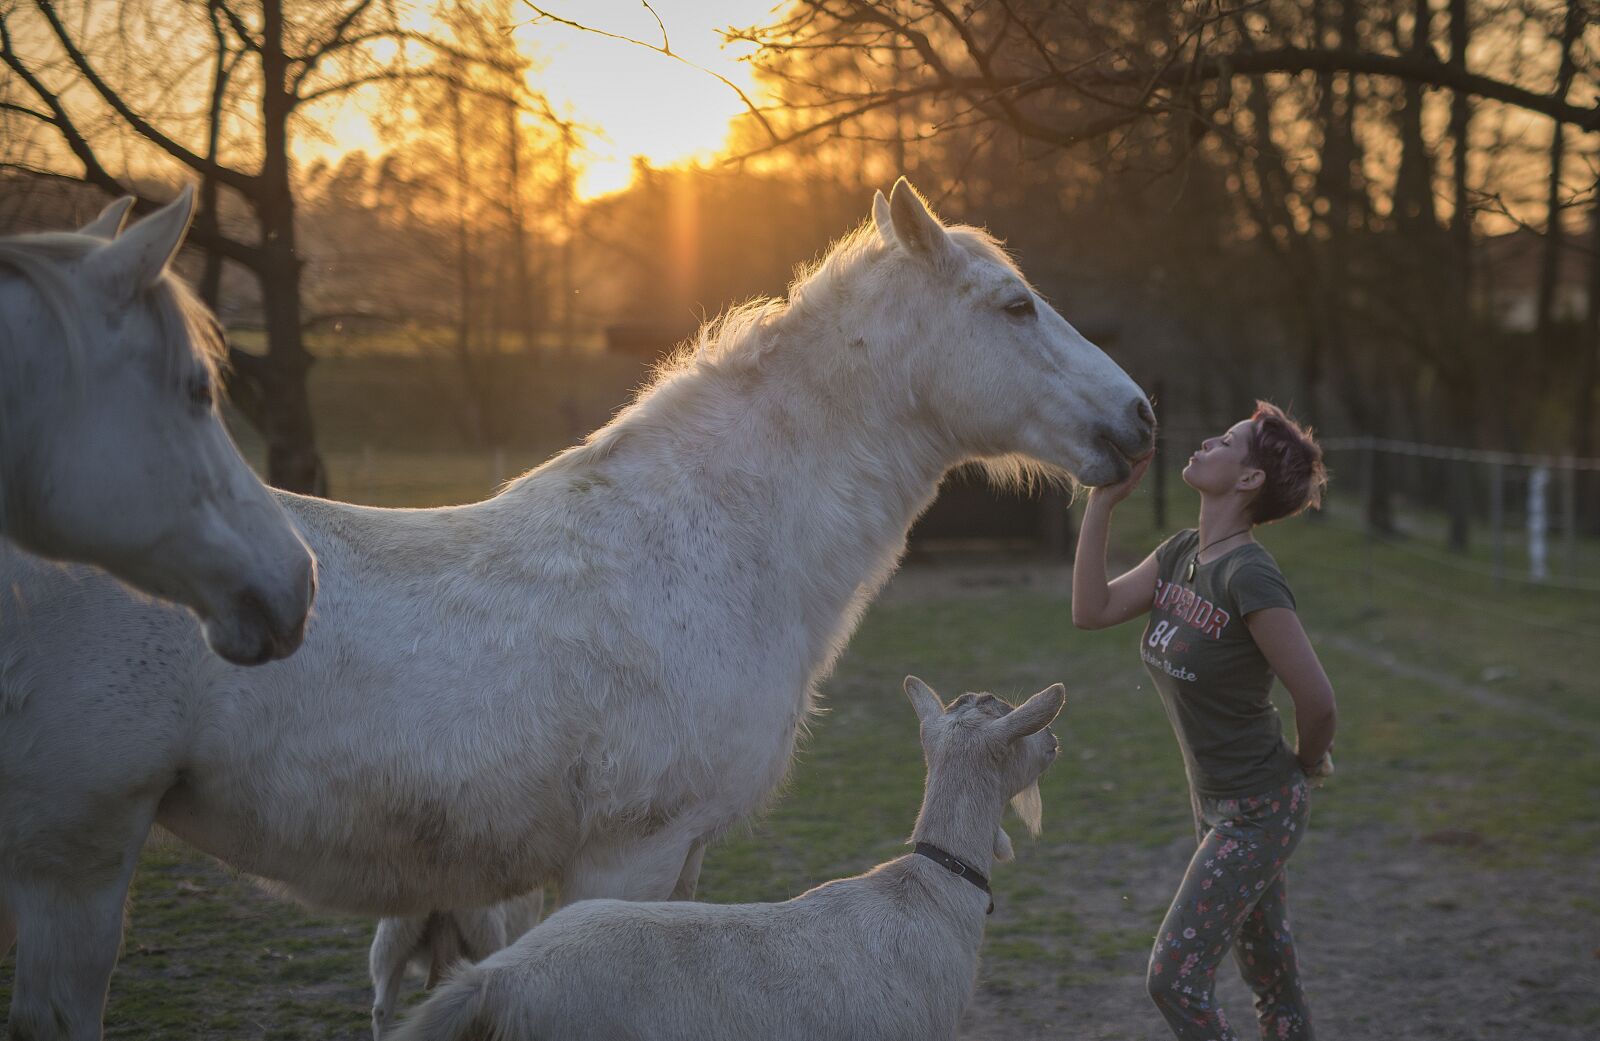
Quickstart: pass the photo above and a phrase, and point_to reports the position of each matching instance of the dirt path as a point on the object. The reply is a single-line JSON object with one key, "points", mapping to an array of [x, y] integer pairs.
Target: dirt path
{"points": [[1399, 938]]}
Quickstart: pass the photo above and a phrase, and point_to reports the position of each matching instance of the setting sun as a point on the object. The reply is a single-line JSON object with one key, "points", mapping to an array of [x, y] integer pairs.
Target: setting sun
{"points": [[638, 103]]}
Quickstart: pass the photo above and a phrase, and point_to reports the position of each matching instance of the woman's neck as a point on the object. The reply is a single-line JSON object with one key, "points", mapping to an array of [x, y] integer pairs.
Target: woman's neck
{"points": [[1224, 525]]}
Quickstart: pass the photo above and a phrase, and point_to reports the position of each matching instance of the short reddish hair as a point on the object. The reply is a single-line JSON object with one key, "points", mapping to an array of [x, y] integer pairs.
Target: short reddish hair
{"points": [[1291, 459]]}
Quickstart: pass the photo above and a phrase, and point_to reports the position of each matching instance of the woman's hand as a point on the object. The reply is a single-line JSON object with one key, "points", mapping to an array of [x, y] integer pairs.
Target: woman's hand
{"points": [[1097, 603], [1111, 494]]}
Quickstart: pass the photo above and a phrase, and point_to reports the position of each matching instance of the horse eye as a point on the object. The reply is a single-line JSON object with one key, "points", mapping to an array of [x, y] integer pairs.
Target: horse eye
{"points": [[1021, 308], [201, 393]]}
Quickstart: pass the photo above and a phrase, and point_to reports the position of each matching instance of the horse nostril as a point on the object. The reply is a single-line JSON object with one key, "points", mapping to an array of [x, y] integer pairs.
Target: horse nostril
{"points": [[1141, 408]]}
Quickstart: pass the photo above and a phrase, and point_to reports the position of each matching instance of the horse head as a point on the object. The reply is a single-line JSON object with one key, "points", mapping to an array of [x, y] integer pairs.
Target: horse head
{"points": [[994, 366], [118, 455]]}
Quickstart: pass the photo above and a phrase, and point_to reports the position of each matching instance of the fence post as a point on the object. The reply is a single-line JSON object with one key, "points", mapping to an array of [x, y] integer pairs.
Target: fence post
{"points": [[1497, 520], [1370, 464], [1569, 515], [1538, 563]]}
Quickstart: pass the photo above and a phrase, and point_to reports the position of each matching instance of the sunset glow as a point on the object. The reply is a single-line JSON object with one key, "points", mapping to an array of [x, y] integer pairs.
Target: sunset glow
{"points": [[639, 103], [628, 101]]}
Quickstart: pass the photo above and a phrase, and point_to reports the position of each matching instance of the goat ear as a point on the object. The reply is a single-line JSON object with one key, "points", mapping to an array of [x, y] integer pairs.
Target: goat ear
{"points": [[110, 221], [1034, 714], [881, 218], [923, 699], [136, 260], [914, 227], [1003, 850]]}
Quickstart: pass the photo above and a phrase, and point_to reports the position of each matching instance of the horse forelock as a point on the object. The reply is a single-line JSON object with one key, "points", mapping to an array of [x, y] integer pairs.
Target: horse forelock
{"points": [[41, 259]]}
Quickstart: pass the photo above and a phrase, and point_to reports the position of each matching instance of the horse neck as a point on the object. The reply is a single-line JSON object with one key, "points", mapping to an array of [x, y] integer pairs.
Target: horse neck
{"points": [[845, 469]]}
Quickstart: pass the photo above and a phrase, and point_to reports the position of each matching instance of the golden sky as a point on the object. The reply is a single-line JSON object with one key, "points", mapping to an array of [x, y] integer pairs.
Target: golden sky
{"points": [[643, 103], [633, 102]]}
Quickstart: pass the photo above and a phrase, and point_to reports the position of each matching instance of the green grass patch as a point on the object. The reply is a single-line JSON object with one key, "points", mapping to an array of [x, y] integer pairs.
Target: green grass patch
{"points": [[208, 956]]}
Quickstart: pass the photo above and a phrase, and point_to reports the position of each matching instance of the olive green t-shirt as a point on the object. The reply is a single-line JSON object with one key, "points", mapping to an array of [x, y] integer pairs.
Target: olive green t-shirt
{"points": [[1213, 679]]}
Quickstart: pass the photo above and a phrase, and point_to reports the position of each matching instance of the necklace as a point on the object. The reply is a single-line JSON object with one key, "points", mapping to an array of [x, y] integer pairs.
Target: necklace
{"points": [[1188, 576]]}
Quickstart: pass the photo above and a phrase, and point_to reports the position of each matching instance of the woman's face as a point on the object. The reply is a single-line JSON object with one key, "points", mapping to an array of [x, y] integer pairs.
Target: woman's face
{"points": [[1218, 466]]}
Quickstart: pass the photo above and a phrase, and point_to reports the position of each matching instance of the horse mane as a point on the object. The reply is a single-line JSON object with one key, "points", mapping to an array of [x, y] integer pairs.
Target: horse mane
{"points": [[742, 338], [40, 258], [739, 339]]}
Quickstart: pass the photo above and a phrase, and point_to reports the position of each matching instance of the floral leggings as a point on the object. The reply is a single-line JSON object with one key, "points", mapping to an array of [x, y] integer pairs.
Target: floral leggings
{"points": [[1235, 896]]}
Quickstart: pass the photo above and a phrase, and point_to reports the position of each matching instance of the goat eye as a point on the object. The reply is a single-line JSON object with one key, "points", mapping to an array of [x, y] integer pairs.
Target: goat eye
{"points": [[1021, 307]]}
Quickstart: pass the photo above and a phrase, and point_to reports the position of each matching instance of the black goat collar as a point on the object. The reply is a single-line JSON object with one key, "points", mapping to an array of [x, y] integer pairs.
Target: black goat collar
{"points": [[957, 866]]}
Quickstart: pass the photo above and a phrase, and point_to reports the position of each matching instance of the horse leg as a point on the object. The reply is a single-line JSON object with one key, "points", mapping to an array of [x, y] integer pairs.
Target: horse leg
{"points": [[69, 933], [8, 929], [633, 868], [689, 877], [483, 931], [393, 944], [522, 914]]}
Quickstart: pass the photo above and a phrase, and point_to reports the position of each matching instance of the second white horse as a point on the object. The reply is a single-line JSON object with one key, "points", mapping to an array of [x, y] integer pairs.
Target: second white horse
{"points": [[112, 450]]}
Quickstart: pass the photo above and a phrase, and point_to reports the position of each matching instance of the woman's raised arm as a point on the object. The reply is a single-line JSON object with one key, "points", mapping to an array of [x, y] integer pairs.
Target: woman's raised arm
{"points": [[1097, 603]]}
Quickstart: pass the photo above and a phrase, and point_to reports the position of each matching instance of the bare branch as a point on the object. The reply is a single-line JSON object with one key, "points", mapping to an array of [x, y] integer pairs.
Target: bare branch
{"points": [[407, 76], [232, 178], [665, 50], [1413, 67], [334, 42], [241, 30], [43, 117]]}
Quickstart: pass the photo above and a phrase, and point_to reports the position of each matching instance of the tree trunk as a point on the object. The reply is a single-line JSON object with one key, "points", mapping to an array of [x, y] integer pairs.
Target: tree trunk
{"points": [[285, 416], [1459, 275], [1588, 374], [1550, 259]]}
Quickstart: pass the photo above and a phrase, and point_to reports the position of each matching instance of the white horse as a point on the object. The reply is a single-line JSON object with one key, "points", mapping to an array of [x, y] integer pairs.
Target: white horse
{"points": [[583, 680], [439, 944], [112, 451]]}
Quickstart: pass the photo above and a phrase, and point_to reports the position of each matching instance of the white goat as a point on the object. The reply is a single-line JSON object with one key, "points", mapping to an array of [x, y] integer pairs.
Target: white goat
{"points": [[436, 943], [892, 953]]}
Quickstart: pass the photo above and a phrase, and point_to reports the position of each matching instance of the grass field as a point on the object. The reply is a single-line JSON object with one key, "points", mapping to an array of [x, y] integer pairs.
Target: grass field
{"points": [[1450, 886]]}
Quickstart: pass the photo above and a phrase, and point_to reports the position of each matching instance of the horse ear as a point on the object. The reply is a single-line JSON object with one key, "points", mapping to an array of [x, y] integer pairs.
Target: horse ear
{"points": [[881, 218], [110, 221], [136, 260], [914, 227], [923, 699], [1032, 715]]}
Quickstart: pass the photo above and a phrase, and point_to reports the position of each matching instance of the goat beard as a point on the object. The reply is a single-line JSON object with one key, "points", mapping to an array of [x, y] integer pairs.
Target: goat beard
{"points": [[1030, 808]]}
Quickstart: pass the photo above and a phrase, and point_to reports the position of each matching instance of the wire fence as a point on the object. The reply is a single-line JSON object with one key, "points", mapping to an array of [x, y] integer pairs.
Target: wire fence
{"points": [[1536, 515]]}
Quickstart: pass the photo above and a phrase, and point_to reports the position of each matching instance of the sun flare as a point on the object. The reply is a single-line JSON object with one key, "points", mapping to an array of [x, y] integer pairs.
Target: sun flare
{"points": [[638, 103]]}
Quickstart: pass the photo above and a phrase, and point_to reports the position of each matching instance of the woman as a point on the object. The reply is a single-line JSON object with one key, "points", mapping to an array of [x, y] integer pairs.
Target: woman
{"points": [[1222, 625]]}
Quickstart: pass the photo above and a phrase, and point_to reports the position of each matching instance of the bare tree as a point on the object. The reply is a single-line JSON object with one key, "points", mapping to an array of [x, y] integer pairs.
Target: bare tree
{"points": [[272, 62]]}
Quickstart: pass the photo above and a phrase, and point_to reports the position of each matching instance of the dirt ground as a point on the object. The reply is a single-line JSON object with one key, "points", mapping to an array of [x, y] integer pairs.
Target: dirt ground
{"points": [[1398, 939], [1416, 936], [1401, 936]]}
